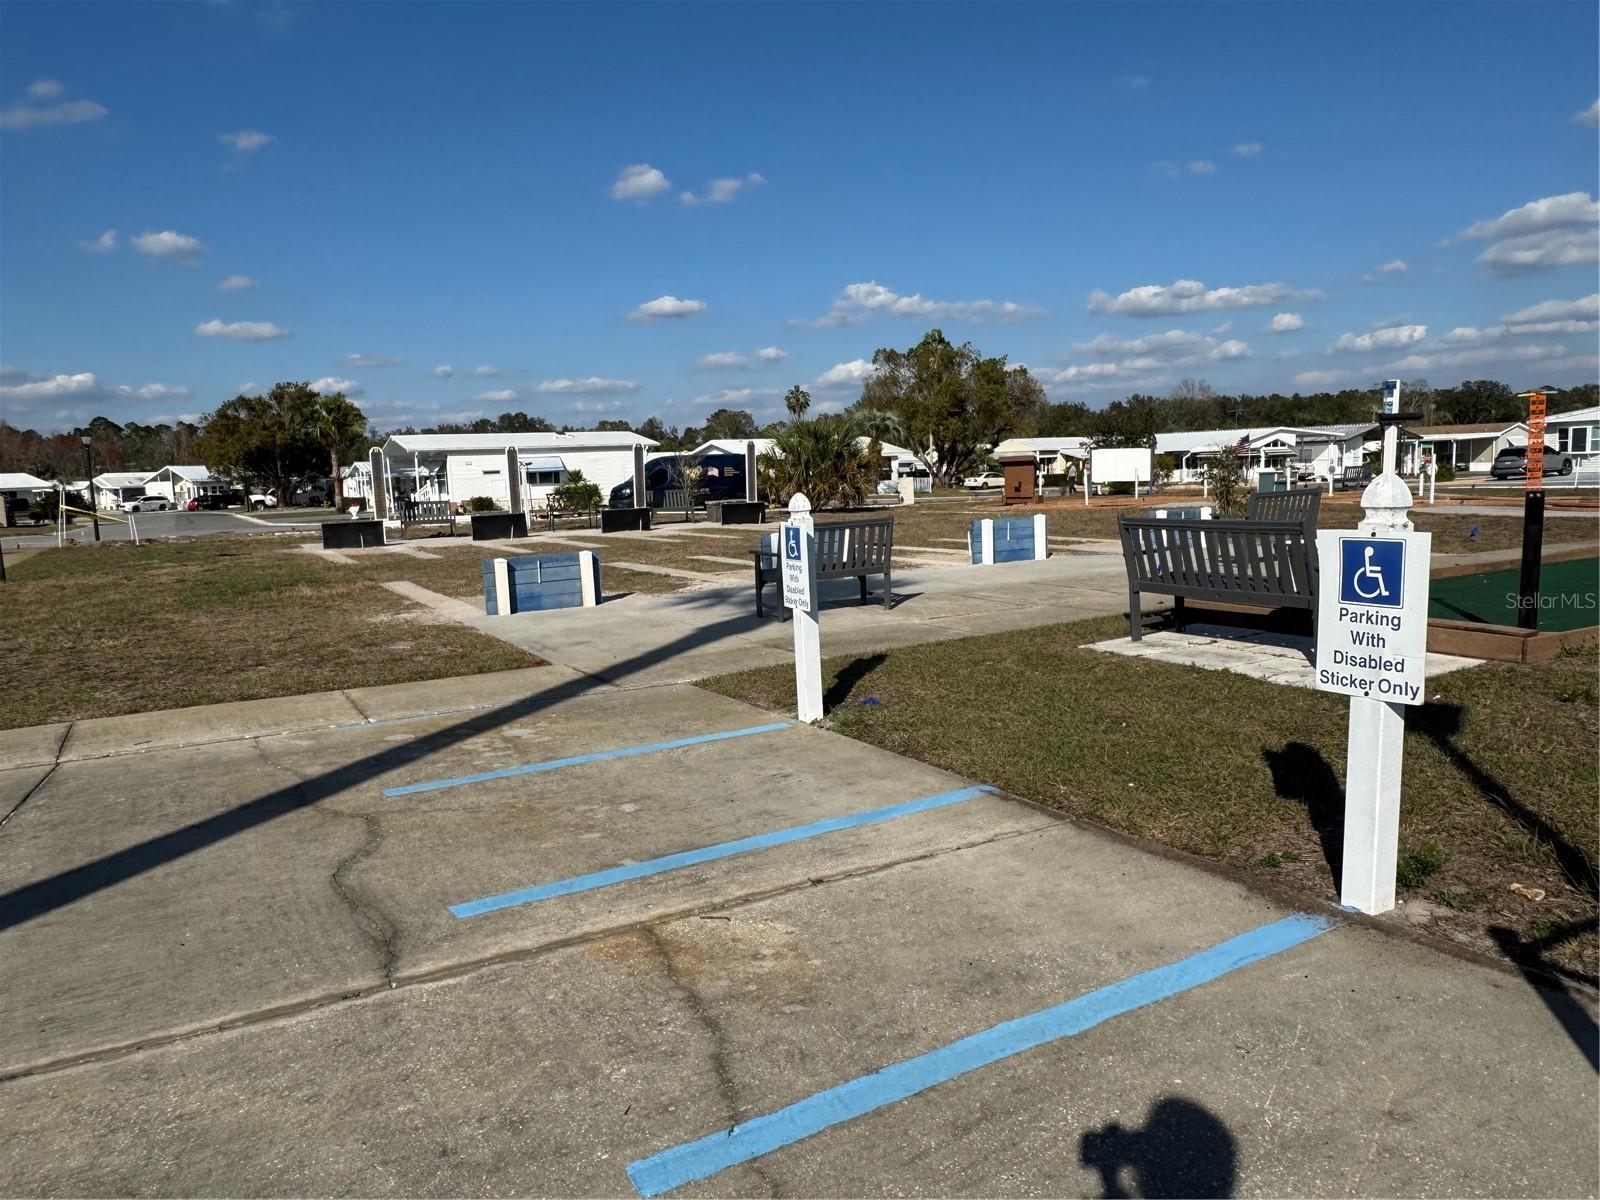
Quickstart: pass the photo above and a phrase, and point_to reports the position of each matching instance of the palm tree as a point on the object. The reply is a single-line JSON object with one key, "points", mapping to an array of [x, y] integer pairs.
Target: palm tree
{"points": [[336, 423], [797, 401]]}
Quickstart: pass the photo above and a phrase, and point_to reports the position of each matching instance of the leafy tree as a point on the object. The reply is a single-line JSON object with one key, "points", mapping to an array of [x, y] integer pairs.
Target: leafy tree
{"points": [[338, 427], [1224, 472], [824, 459], [575, 493], [733, 424], [797, 401], [272, 436], [655, 430], [951, 400], [614, 426]]}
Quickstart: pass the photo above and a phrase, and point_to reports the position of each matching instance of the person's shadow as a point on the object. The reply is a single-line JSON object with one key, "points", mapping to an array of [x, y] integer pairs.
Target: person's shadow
{"points": [[1183, 1150]]}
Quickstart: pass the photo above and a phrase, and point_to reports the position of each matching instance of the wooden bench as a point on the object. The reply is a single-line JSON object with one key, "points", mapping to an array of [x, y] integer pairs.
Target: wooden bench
{"points": [[678, 500], [845, 550], [427, 512], [1352, 477], [1302, 506], [1267, 563]]}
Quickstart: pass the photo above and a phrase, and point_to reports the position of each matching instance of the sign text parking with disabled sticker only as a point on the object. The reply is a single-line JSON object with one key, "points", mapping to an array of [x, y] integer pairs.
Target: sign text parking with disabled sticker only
{"points": [[1372, 614]]}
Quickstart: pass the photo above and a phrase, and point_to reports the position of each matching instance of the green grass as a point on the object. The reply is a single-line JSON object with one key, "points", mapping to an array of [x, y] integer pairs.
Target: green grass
{"points": [[1569, 591], [100, 630], [1501, 774]]}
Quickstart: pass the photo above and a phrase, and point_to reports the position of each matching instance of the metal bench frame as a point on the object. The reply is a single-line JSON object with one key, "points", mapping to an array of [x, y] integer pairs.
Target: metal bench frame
{"points": [[427, 512], [1268, 563], [845, 550]]}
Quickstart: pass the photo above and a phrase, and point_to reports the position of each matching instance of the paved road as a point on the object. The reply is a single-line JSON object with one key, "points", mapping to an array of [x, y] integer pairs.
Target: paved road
{"points": [[167, 524], [578, 940]]}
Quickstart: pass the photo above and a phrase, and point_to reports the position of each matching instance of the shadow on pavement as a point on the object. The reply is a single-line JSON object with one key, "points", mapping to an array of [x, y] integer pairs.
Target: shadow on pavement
{"points": [[1568, 1010], [1299, 772], [25, 903], [1183, 1150]]}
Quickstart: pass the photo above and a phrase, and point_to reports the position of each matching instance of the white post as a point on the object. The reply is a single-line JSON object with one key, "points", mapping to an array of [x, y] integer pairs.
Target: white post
{"points": [[1377, 737], [986, 542], [502, 588], [799, 547], [1041, 547], [588, 578]]}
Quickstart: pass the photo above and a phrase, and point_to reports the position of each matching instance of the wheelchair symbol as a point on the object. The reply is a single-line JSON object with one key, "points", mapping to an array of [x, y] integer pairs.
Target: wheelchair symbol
{"points": [[1372, 571], [1368, 581], [791, 544]]}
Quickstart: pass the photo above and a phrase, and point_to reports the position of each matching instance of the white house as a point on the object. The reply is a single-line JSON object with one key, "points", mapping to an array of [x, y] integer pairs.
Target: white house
{"points": [[1053, 452], [731, 446], [19, 490], [1321, 451], [460, 466], [183, 484], [1576, 433], [111, 488], [1469, 449]]}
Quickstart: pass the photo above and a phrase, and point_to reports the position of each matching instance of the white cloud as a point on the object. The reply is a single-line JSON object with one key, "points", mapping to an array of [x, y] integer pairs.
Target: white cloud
{"points": [[47, 89], [168, 245], [500, 396], [486, 372], [857, 370], [721, 191], [246, 141], [1202, 167], [771, 354], [1483, 354], [244, 331], [1541, 252], [1552, 212], [1590, 115], [1134, 358], [328, 385], [69, 112], [444, 370], [369, 360], [641, 182], [1586, 309], [1184, 296], [723, 360], [1551, 316], [664, 308], [1395, 266], [1394, 337], [861, 301], [592, 386], [1247, 149], [731, 396], [594, 406], [103, 244], [155, 391], [238, 283], [1287, 322], [56, 387], [1319, 378]]}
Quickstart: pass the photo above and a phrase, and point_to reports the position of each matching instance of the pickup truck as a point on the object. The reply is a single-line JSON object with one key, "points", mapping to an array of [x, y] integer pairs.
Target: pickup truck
{"points": [[257, 500]]}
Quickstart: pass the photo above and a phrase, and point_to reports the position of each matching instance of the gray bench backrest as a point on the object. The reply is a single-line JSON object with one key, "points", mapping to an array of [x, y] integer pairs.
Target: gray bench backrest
{"points": [[1301, 506], [1273, 560], [424, 510], [847, 546]]}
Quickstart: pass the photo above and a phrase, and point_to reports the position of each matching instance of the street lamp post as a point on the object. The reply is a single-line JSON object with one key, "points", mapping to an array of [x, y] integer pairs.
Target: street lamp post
{"points": [[88, 467]]}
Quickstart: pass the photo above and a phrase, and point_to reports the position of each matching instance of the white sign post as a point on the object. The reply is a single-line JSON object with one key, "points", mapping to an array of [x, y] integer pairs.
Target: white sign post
{"points": [[1372, 640], [797, 555]]}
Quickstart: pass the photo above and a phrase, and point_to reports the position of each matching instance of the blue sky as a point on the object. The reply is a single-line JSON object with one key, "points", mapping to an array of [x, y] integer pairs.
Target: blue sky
{"points": [[608, 210]]}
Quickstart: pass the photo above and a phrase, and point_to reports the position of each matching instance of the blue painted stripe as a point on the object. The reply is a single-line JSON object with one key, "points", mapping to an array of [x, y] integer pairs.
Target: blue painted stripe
{"points": [[553, 764], [690, 858], [682, 1164]]}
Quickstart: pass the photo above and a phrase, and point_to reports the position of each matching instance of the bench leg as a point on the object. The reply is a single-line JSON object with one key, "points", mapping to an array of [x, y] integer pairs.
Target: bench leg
{"points": [[888, 587], [1179, 616], [759, 613], [862, 580], [1135, 617]]}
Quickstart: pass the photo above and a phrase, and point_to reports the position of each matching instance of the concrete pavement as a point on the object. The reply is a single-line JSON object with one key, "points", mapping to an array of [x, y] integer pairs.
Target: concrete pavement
{"points": [[233, 969]]}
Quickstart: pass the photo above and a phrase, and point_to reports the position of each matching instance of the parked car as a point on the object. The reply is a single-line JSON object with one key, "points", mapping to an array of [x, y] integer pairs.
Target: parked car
{"points": [[989, 479], [145, 504], [262, 500], [721, 478], [1512, 463]]}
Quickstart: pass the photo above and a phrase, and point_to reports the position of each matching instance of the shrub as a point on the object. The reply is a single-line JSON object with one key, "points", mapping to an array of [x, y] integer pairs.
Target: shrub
{"points": [[576, 494], [1420, 863], [1225, 482], [822, 458], [1120, 488], [481, 504], [1447, 472]]}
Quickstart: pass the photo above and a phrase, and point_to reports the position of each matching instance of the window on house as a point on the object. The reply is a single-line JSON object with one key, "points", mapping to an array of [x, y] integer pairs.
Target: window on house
{"points": [[544, 478], [1574, 439]]}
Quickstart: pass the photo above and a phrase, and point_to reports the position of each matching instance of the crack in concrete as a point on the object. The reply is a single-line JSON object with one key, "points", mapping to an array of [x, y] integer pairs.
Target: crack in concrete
{"points": [[29, 794], [726, 1087], [382, 932]]}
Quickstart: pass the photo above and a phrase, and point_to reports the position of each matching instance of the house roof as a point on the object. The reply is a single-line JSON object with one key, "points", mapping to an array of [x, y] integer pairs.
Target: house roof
{"points": [[1482, 429], [1578, 416], [192, 474], [490, 443], [732, 446], [1035, 444], [121, 479], [1187, 441], [21, 481]]}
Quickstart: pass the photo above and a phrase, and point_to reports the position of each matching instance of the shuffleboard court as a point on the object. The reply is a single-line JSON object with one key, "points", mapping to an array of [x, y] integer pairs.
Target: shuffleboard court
{"points": [[1570, 593]]}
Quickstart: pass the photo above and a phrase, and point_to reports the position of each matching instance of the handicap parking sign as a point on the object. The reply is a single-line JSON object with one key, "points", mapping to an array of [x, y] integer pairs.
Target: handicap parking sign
{"points": [[1372, 571], [791, 543]]}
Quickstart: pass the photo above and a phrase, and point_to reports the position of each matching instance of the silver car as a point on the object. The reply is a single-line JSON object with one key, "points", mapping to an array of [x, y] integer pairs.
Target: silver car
{"points": [[1512, 463]]}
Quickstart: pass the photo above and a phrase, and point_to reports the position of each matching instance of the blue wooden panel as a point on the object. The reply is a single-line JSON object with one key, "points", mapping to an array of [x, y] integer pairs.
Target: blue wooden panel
{"points": [[975, 541], [489, 605], [540, 582], [542, 601]]}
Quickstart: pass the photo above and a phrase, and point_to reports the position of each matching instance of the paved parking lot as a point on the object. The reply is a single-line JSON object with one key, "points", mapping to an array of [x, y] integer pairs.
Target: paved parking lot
{"points": [[532, 934]]}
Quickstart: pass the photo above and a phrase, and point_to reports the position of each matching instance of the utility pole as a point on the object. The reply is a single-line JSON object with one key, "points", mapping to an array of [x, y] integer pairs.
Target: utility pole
{"points": [[88, 467]]}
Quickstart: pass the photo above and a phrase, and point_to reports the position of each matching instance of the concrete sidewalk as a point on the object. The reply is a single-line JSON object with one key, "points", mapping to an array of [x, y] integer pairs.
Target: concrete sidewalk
{"points": [[237, 964]]}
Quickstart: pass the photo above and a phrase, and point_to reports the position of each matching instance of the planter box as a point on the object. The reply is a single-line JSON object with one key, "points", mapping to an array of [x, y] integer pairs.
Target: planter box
{"points": [[536, 582], [617, 520], [492, 526], [737, 512], [351, 535]]}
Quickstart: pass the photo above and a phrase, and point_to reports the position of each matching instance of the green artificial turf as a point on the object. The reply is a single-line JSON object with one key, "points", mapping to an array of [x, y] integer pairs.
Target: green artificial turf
{"points": [[1569, 596]]}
